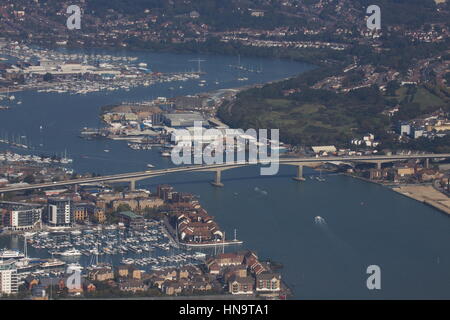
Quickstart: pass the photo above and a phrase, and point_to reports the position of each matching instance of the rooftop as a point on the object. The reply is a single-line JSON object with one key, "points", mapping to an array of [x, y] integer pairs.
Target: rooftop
{"points": [[130, 215]]}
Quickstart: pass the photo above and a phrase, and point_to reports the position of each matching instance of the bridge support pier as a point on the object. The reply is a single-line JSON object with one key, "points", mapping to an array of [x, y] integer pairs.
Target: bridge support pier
{"points": [[427, 163], [379, 165], [299, 176], [133, 185], [218, 179]]}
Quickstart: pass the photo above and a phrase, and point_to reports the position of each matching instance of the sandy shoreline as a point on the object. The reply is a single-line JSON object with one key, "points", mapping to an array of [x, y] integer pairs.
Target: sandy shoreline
{"points": [[426, 194]]}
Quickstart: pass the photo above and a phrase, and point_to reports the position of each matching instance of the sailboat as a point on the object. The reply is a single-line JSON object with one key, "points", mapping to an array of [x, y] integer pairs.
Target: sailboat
{"points": [[240, 78], [66, 160], [10, 97], [319, 178]]}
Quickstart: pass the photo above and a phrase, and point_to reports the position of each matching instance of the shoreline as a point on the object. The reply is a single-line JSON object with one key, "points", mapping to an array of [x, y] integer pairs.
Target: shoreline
{"points": [[425, 194], [43, 86]]}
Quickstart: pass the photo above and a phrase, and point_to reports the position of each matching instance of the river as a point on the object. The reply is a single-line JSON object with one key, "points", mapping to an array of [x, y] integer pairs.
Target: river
{"points": [[364, 224]]}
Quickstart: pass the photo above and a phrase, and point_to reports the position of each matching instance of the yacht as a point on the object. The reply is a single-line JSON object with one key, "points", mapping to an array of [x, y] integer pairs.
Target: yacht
{"points": [[74, 267], [70, 253], [52, 263], [11, 254]]}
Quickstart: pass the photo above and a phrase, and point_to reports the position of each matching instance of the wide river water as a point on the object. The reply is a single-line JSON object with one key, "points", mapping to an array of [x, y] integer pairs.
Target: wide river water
{"points": [[364, 224]]}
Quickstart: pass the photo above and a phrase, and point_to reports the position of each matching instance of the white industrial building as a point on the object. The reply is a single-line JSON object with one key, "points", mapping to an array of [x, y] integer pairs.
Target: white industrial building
{"points": [[64, 69]]}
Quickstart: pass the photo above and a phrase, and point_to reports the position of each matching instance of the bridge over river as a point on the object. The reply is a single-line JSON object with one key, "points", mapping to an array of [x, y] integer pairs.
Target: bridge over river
{"points": [[133, 177]]}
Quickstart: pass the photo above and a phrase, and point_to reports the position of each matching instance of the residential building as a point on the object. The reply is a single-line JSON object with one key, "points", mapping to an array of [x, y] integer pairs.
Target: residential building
{"points": [[172, 287], [197, 226], [406, 171], [21, 216], [132, 285], [123, 271], [59, 212], [101, 274], [8, 278], [132, 220], [268, 282], [241, 285], [39, 292], [80, 211], [417, 132]]}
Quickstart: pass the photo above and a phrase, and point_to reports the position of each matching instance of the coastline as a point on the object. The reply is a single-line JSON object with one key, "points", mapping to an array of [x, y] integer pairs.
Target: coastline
{"points": [[425, 194]]}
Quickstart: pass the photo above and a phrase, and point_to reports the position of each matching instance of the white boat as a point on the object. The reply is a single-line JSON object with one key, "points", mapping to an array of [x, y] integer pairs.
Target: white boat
{"points": [[319, 220], [74, 267], [11, 254], [52, 263], [70, 253], [199, 255], [166, 154], [150, 165]]}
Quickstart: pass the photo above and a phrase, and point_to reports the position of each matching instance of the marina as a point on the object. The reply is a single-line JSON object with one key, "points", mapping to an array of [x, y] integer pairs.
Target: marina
{"points": [[14, 157], [150, 248]]}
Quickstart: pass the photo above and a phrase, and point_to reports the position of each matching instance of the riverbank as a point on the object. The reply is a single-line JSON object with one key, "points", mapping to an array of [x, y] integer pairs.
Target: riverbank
{"points": [[427, 195]]}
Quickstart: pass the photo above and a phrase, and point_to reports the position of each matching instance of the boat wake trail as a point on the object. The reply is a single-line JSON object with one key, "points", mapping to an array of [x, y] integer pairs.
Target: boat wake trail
{"points": [[340, 246]]}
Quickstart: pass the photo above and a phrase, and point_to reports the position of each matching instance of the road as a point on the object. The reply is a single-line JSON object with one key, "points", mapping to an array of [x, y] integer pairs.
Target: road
{"points": [[141, 175]]}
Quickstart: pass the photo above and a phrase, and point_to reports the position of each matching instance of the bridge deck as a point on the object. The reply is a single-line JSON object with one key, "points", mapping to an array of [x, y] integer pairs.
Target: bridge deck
{"points": [[217, 167]]}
